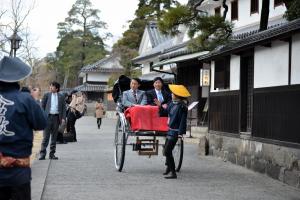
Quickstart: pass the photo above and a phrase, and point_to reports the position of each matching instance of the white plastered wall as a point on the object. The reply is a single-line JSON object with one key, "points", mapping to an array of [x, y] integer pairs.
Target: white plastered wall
{"points": [[99, 77], [235, 63], [245, 18], [295, 68], [146, 68], [212, 76], [271, 65], [145, 45]]}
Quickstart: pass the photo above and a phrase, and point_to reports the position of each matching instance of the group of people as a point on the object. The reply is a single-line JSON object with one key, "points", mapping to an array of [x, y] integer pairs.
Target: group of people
{"points": [[173, 105], [22, 112], [134, 96]]}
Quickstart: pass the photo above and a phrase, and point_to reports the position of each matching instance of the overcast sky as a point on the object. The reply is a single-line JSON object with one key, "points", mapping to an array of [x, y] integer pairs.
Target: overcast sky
{"points": [[43, 19]]}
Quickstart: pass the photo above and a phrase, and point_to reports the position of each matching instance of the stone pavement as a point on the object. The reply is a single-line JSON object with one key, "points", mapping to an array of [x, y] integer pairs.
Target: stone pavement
{"points": [[85, 170]]}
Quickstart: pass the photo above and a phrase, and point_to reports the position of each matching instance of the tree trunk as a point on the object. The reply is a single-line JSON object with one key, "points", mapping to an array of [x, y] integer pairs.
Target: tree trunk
{"points": [[264, 19], [225, 9]]}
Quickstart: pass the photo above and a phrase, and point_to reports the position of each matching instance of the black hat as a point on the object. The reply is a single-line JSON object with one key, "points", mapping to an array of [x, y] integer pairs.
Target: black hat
{"points": [[13, 70]]}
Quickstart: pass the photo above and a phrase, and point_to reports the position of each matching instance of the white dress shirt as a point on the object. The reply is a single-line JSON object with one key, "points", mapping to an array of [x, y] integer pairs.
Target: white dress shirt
{"points": [[54, 104]]}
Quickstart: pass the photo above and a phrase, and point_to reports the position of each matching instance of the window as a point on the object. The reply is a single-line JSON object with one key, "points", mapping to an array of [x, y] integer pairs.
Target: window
{"points": [[234, 10], [222, 73], [254, 6], [278, 2], [218, 11]]}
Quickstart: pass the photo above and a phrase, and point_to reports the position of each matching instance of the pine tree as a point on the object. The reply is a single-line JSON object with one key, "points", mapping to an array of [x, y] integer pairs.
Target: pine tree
{"points": [[206, 32], [80, 40], [128, 45]]}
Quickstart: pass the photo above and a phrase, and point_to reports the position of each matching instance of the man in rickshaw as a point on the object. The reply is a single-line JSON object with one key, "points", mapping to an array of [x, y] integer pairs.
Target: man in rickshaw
{"points": [[158, 92], [177, 113], [134, 96]]}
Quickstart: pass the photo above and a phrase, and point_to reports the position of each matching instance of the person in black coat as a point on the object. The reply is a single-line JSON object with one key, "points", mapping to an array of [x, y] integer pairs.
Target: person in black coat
{"points": [[159, 93], [176, 111], [19, 116]]}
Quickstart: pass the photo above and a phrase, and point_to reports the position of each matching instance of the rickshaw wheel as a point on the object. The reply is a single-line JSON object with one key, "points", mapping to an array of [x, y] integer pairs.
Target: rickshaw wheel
{"points": [[178, 154], [120, 144]]}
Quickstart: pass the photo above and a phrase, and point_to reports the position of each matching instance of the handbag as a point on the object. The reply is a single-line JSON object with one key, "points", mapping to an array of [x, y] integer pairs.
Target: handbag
{"points": [[68, 137]]}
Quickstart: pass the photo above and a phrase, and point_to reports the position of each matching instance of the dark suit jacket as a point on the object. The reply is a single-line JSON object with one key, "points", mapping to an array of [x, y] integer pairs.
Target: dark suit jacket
{"points": [[46, 103], [151, 95]]}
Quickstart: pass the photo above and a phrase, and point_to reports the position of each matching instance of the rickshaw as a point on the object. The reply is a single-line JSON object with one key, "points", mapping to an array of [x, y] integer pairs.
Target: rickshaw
{"points": [[146, 141]]}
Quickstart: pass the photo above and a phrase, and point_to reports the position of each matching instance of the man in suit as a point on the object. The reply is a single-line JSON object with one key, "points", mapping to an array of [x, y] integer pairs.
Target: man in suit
{"points": [[55, 108], [162, 95], [134, 96]]}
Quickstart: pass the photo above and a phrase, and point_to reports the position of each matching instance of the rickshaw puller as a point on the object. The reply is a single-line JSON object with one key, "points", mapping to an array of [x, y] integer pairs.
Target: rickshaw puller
{"points": [[177, 113]]}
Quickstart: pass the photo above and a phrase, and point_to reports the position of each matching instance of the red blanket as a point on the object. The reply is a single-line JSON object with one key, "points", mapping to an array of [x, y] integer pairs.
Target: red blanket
{"points": [[146, 118]]}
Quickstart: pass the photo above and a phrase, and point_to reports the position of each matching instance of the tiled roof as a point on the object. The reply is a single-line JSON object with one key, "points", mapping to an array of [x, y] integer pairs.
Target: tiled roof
{"points": [[234, 38], [86, 87], [242, 36], [251, 40], [156, 37], [163, 48], [160, 43], [98, 66]]}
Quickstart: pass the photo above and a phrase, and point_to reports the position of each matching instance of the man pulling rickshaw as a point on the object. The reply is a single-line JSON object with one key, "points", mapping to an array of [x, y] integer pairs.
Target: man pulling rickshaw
{"points": [[137, 120]]}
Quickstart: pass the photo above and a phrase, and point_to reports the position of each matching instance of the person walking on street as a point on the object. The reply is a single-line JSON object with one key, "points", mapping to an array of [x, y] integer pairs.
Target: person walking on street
{"points": [[54, 105], [19, 115], [99, 112], [176, 111]]}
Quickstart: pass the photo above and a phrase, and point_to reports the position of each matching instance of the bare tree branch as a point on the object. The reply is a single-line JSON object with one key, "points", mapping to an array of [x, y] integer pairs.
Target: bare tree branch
{"points": [[28, 54], [18, 14], [1, 14]]}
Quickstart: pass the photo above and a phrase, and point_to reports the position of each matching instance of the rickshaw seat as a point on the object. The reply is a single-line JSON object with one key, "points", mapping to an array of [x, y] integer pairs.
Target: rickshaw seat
{"points": [[146, 118]]}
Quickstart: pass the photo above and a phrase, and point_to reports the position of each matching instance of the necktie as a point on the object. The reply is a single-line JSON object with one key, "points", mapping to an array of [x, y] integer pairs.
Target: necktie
{"points": [[160, 97], [134, 95]]}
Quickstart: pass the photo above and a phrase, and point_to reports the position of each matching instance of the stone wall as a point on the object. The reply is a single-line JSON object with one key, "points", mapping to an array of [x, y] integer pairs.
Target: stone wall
{"points": [[278, 162]]}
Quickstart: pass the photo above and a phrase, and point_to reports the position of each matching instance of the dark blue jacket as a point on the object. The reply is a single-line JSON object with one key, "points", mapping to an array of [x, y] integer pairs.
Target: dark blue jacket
{"points": [[19, 115], [177, 113]]}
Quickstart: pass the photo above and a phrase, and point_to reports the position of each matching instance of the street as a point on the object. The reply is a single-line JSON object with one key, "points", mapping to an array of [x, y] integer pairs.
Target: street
{"points": [[85, 170]]}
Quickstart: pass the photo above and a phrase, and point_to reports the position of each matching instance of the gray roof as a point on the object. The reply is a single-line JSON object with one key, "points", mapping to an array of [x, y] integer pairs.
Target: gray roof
{"points": [[87, 87], [163, 48], [241, 40], [253, 39], [156, 37], [99, 65], [159, 42]]}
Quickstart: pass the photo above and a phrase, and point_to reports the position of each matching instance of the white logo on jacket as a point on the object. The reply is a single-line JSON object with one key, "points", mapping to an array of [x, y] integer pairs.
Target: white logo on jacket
{"points": [[3, 122]]}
